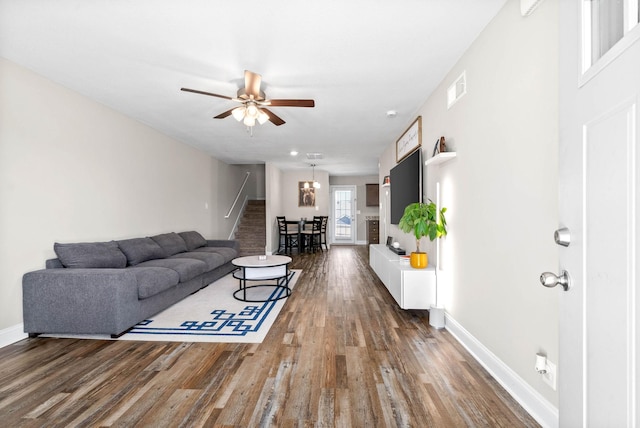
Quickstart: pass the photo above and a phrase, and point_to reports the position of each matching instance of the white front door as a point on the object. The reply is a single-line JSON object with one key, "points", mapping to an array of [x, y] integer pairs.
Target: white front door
{"points": [[343, 200], [598, 161]]}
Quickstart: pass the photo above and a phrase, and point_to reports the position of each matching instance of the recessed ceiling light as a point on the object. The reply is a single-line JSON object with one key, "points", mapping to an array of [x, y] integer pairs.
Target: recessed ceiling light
{"points": [[392, 113], [293, 153]]}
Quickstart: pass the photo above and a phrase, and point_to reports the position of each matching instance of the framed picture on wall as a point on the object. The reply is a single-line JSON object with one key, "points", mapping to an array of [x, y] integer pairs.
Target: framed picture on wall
{"points": [[410, 141], [306, 196]]}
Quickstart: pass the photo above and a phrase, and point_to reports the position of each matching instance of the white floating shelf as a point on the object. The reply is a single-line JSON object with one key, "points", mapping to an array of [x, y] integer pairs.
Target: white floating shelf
{"points": [[440, 158]]}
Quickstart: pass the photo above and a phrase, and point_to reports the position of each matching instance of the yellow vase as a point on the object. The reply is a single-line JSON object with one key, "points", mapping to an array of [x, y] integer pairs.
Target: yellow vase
{"points": [[419, 260]]}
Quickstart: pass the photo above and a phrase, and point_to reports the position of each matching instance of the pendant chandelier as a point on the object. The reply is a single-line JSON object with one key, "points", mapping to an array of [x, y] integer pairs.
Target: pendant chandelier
{"points": [[314, 183]]}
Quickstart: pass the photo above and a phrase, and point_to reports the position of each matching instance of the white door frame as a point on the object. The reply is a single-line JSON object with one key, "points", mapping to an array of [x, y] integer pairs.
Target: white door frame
{"points": [[354, 219]]}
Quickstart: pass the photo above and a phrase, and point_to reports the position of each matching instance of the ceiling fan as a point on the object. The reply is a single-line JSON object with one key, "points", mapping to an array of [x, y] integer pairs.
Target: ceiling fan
{"points": [[254, 102]]}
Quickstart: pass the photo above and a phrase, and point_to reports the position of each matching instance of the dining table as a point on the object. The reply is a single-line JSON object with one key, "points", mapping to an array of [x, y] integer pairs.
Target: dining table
{"points": [[300, 226]]}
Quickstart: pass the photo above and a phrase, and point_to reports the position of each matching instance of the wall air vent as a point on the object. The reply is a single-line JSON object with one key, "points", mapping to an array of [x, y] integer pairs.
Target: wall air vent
{"points": [[528, 6], [457, 89], [314, 156]]}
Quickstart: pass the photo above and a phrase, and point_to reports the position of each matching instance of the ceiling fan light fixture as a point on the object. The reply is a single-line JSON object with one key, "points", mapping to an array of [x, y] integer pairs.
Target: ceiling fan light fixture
{"points": [[252, 110], [252, 99], [249, 121], [238, 113], [262, 117], [306, 185]]}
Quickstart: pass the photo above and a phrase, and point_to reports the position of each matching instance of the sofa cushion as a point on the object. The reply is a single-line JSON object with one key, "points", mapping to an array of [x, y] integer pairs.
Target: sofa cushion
{"points": [[57, 264], [193, 240], [154, 280], [171, 243], [90, 255], [227, 253], [213, 260], [140, 250], [187, 269]]}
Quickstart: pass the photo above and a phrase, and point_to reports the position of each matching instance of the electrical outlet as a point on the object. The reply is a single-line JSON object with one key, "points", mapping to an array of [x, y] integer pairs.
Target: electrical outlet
{"points": [[550, 376]]}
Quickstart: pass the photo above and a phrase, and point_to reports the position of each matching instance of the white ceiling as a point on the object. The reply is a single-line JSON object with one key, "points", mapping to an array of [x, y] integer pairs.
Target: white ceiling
{"points": [[357, 59]]}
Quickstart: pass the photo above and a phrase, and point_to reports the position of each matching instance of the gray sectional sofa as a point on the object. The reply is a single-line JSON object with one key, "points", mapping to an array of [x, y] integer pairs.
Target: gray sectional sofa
{"points": [[108, 287]]}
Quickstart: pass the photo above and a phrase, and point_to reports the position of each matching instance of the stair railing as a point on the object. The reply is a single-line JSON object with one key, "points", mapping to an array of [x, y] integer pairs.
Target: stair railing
{"points": [[235, 201], [235, 225]]}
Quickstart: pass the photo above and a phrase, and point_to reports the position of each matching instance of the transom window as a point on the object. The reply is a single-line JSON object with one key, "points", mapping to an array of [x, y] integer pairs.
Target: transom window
{"points": [[604, 24]]}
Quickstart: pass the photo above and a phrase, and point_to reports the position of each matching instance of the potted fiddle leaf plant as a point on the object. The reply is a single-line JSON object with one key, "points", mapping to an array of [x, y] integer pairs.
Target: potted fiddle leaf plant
{"points": [[423, 219]]}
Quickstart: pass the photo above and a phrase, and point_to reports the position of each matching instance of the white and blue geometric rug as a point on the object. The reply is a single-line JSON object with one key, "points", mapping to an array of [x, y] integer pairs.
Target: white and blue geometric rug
{"points": [[211, 315]]}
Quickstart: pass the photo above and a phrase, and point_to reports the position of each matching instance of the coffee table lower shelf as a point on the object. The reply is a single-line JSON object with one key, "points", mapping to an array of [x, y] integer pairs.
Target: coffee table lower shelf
{"points": [[282, 283], [263, 268]]}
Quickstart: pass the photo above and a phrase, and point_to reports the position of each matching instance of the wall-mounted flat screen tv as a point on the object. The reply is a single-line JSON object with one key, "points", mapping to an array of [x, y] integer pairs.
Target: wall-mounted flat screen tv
{"points": [[406, 184]]}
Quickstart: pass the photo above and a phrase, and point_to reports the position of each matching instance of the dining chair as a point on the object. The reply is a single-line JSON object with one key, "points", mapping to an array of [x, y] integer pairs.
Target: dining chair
{"points": [[288, 238], [311, 238], [323, 232]]}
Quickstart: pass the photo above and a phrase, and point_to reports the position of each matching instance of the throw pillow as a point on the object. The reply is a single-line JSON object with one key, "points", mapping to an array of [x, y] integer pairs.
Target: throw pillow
{"points": [[90, 255], [171, 243], [193, 240], [140, 250]]}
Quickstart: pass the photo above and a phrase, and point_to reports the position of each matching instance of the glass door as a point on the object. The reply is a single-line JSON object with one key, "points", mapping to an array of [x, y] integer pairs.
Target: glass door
{"points": [[343, 199]]}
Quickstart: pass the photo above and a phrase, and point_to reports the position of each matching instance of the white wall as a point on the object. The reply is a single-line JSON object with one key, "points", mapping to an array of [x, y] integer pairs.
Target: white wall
{"points": [[74, 170], [501, 190], [289, 194], [258, 184], [273, 185], [226, 183]]}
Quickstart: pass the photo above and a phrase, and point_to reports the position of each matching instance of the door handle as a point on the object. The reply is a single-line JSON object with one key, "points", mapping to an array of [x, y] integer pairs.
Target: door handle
{"points": [[550, 280]]}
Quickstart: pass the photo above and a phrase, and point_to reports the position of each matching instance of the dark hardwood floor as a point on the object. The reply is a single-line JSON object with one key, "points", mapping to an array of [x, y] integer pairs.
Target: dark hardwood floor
{"points": [[340, 354]]}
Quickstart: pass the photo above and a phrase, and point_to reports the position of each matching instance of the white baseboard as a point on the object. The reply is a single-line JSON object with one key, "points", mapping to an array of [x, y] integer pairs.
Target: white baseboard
{"points": [[12, 335], [361, 242], [531, 400]]}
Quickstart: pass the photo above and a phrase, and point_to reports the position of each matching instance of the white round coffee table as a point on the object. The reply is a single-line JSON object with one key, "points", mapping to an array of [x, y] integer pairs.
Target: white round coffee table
{"points": [[263, 268]]}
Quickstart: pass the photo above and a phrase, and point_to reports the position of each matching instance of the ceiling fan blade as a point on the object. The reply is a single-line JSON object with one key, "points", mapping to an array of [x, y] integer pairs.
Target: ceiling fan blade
{"points": [[225, 114], [195, 91], [252, 82], [291, 103], [273, 118]]}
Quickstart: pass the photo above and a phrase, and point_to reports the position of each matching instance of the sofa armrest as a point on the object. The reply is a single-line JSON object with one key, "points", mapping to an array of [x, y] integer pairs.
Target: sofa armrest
{"points": [[79, 300], [224, 243]]}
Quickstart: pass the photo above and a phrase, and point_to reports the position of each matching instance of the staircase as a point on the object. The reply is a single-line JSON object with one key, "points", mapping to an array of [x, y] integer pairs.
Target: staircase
{"points": [[251, 231]]}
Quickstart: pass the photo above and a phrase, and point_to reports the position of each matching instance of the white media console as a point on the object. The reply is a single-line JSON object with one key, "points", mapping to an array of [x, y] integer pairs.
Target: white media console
{"points": [[411, 288]]}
